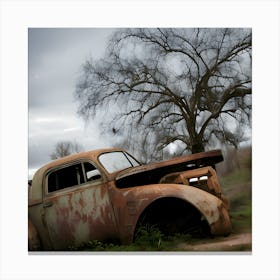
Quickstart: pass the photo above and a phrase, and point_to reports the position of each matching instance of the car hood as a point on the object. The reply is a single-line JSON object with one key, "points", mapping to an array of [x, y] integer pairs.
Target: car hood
{"points": [[152, 173]]}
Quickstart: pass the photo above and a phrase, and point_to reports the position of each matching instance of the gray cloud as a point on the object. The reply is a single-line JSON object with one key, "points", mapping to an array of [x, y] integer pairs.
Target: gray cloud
{"points": [[55, 56]]}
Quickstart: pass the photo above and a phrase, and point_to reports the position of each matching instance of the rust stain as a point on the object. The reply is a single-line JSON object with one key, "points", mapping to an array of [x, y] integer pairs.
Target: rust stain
{"points": [[108, 208], [82, 203]]}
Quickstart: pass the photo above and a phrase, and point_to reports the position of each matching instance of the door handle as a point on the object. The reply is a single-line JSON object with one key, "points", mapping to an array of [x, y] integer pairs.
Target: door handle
{"points": [[48, 204]]}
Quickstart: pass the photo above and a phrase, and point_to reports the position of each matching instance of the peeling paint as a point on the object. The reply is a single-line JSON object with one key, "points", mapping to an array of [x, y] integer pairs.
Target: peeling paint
{"points": [[112, 206]]}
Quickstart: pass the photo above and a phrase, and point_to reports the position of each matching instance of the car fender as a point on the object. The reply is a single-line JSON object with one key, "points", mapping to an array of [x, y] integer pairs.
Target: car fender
{"points": [[211, 207]]}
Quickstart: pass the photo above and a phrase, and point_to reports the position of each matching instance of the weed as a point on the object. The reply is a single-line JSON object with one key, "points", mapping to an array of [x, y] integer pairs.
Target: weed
{"points": [[148, 238], [149, 235]]}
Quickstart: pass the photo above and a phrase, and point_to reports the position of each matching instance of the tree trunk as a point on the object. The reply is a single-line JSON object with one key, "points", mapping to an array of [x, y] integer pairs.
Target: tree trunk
{"points": [[197, 148]]}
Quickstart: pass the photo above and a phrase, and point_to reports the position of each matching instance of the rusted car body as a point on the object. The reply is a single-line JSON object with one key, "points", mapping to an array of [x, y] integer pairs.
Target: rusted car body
{"points": [[107, 194]]}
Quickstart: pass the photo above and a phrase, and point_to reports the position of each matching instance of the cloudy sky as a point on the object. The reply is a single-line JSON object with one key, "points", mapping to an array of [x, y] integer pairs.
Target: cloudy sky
{"points": [[55, 57]]}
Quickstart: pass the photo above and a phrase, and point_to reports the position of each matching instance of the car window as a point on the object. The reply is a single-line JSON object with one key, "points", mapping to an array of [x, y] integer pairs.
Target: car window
{"points": [[92, 173], [65, 177], [116, 161], [133, 161], [73, 175]]}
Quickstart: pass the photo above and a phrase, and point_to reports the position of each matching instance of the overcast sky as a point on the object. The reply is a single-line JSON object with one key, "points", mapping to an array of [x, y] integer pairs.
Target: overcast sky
{"points": [[55, 57]]}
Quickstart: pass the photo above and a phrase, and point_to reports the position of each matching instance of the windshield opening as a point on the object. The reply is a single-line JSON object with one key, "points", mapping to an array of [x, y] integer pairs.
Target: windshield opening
{"points": [[116, 161]]}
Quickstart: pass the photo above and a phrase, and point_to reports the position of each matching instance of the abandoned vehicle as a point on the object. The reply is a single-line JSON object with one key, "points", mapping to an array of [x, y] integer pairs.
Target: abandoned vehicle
{"points": [[107, 194]]}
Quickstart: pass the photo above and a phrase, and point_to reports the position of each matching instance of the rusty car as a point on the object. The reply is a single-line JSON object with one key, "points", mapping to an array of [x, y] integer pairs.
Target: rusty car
{"points": [[107, 194]]}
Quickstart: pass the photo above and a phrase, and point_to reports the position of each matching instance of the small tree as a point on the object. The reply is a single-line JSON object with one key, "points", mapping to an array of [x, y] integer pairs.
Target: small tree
{"points": [[191, 86], [65, 148]]}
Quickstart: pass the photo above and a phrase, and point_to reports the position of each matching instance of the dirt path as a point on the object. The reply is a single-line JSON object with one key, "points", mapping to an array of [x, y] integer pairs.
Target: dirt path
{"points": [[234, 242]]}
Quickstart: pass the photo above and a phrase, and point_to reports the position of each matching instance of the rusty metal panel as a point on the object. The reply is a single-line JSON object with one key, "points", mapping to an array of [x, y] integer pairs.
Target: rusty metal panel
{"points": [[100, 210], [206, 179], [78, 216], [209, 205]]}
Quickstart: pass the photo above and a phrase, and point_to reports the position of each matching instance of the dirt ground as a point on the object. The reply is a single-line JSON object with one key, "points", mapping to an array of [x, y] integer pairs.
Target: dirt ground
{"points": [[233, 242]]}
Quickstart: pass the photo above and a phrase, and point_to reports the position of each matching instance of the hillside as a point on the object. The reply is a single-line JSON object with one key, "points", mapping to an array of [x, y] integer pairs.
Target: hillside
{"points": [[236, 184]]}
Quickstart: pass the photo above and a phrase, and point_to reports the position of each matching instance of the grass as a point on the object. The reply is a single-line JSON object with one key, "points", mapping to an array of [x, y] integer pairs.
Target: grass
{"points": [[242, 219], [147, 239], [237, 187]]}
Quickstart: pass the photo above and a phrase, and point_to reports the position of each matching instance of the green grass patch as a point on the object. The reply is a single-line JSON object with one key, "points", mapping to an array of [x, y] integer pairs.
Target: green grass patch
{"points": [[237, 187], [237, 177], [148, 238], [241, 219]]}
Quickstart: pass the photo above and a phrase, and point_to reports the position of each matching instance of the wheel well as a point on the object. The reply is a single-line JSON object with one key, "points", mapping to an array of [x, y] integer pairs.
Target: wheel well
{"points": [[173, 215]]}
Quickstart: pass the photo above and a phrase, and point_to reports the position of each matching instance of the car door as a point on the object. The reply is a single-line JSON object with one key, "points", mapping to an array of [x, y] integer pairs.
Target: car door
{"points": [[77, 206]]}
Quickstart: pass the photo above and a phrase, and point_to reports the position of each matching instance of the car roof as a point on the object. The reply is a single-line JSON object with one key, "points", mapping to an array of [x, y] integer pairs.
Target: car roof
{"points": [[88, 154], [36, 187]]}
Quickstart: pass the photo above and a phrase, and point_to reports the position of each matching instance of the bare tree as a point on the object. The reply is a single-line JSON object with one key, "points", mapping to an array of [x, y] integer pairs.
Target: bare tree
{"points": [[190, 86], [141, 146], [65, 148]]}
